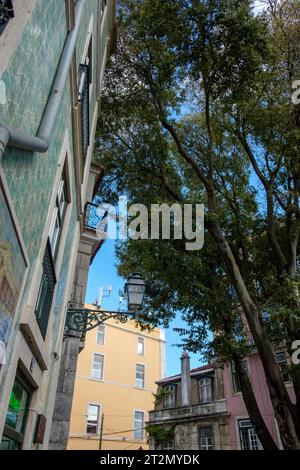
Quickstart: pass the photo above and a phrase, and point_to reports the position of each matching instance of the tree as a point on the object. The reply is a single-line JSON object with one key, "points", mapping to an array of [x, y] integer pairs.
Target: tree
{"points": [[195, 107]]}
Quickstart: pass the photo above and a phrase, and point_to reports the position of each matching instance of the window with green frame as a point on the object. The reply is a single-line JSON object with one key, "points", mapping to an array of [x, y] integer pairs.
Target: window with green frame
{"points": [[17, 413]]}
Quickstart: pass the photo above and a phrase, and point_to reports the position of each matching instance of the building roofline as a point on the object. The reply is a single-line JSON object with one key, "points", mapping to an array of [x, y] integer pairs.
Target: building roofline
{"points": [[193, 373]]}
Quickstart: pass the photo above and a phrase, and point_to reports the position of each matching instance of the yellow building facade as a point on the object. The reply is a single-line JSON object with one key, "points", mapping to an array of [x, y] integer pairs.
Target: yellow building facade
{"points": [[114, 387]]}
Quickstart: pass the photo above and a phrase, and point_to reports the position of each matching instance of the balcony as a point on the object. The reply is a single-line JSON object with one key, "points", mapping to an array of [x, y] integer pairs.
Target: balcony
{"points": [[6, 13], [91, 223], [207, 409], [91, 217]]}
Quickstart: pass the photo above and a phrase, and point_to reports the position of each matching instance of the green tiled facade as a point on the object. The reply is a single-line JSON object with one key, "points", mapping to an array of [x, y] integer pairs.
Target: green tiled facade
{"points": [[30, 177]]}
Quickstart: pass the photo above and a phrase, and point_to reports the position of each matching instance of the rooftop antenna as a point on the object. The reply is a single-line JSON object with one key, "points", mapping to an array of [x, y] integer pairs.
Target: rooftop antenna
{"points": [[103, 292], [121, 299]]}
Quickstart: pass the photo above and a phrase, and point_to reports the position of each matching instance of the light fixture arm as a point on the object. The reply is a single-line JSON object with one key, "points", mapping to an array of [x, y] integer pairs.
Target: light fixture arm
{"points": [[81, 320]]}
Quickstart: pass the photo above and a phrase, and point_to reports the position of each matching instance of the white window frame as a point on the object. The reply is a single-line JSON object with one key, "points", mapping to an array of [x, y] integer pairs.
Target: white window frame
{"points": [[143, 346], [206, 445], [251, 434], [102, 333], [98, 419], [59, 213], [137, 429], [144, 379], [85, 55], [203, 395], [93, 360]]}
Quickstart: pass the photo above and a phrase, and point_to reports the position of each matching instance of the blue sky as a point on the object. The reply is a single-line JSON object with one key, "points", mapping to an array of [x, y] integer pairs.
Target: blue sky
{"points": [[103, 272]]}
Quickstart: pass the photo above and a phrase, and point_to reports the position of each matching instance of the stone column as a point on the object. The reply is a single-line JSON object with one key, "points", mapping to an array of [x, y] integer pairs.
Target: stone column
{"points": [[72, 345], [185, 379], [64, 394]]}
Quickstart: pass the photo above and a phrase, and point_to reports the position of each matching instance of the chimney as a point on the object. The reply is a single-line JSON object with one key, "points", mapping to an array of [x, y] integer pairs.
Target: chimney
{"points": [[185, 379]]}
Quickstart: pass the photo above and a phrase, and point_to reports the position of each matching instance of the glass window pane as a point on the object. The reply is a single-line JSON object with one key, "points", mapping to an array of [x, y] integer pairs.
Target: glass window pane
{"points": [[205, 389], [140, 346], [97, 371], [206, 438], [248, 437], [169, 396], [62, 197], [54, 231], [93, 419], [8, 444], [100, 335], [58, 216], [138, 425], [17, 408], [140, 376]]}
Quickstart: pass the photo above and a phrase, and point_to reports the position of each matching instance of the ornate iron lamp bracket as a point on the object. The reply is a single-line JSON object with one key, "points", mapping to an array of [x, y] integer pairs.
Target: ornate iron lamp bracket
{"points": [[81, 320]]}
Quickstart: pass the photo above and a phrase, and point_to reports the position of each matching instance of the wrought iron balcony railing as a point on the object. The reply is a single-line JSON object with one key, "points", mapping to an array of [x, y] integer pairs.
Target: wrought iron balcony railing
{"points": [[91, 217], [84, 99], [46, 292], [6, 13]]}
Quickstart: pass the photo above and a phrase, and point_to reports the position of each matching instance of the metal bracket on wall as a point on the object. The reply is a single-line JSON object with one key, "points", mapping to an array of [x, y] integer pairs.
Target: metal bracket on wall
{"points": [[81, 320]]}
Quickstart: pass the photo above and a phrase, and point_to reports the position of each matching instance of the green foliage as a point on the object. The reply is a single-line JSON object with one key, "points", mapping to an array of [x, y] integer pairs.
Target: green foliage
{"points": [[160, 433], [217, 75], [160, 395]]}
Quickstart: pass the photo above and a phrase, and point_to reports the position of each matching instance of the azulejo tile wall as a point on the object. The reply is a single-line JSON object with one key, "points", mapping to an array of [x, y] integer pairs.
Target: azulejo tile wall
{"points": [[30, 176]]}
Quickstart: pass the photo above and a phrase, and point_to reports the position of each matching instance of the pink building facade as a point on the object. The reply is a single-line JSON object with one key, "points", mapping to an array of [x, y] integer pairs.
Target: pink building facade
{"points": [[241, 432], [203, 408]]}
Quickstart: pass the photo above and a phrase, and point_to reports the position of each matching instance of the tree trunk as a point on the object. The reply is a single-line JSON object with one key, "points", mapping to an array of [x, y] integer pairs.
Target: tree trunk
{"points": [[257, 420], [285, 411]]}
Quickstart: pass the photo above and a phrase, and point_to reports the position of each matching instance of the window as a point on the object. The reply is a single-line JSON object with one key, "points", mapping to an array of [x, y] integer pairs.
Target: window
{"points": [[6, 13], [165, 445], [168, 445], [103, 5], [236, 385], [93, 419], [283, 365], [46, 291], [58, 216], [140, 346], [206, 390], [206, 441], [17, 413], [140, 376], [89, 61], [248, 436], [169, 396], [138, 425], [100, 335], [48, 280], [97, 371], [84, 100]]}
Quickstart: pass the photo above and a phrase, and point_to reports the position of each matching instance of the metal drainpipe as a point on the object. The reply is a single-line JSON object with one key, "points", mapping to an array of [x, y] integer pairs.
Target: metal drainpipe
{"points": [[40, 143]]}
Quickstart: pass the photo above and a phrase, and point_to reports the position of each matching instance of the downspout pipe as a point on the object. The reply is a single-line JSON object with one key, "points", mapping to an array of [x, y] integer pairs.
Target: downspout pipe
{"points": [[40, 143]]}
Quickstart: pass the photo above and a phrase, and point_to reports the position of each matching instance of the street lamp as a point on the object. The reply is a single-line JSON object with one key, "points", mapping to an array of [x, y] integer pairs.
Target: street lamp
{"points": [[135, 290], [81, 320]]}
